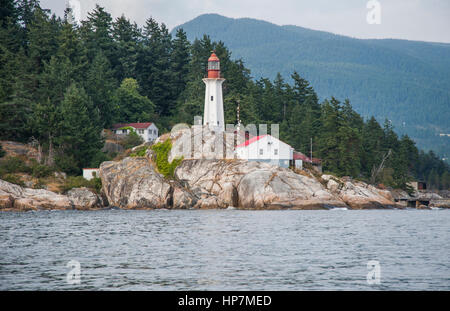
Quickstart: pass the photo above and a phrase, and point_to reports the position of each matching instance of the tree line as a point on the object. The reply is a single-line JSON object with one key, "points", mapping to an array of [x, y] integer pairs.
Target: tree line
{"points": [[61, 83]]}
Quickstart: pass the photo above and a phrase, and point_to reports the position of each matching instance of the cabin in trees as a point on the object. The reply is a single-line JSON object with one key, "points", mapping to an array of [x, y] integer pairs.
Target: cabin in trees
{"points": [[148, 130], [266, 148], [299, 159]]}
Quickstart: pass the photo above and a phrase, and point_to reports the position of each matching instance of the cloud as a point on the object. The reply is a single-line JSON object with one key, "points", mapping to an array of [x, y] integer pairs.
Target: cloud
{"points": [[426, 20]]}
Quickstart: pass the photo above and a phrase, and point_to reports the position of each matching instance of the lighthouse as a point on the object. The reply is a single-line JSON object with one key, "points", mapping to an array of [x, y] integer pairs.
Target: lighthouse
{"points": [[213, 113]]}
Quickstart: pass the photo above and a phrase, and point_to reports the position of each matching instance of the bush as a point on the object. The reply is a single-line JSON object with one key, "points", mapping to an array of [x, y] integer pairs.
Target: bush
{"points": [[11, 165], [162, 151], [67, 164], [132, 140], [71, 182], [140, 152], [13, 179], [99, 158], [40, 170]]}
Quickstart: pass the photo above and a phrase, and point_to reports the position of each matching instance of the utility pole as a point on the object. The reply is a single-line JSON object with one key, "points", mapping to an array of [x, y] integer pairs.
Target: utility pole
{"points": [[238, 117]]}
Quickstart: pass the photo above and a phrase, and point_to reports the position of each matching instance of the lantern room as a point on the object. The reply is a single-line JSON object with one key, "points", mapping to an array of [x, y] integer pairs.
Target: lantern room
{"points": [[213, 67]]}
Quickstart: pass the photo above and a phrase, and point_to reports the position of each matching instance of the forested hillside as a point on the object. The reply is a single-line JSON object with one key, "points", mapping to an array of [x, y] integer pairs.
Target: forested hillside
{"points": [[62, 83], [406, 82]]}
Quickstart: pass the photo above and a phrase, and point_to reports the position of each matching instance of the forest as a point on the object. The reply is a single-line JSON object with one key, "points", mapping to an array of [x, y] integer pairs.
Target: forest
{"points": [[62, 83], [407, 82]]}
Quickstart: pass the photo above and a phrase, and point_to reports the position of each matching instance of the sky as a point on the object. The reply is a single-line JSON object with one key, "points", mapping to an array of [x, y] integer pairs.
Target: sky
{"points": [[422, 20]]}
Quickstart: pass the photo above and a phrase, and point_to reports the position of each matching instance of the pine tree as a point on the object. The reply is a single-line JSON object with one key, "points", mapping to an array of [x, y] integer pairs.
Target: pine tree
{"points": [[127, 37], [80, 138], [100, 85], [132, 106], [180, 59], [96, 31], [8, 13], [43, 39], [2, 152]]}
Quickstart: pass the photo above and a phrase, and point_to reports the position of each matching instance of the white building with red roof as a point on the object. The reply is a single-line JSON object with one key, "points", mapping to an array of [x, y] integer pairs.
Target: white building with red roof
{"points": [[266, 148], [148, 130]]}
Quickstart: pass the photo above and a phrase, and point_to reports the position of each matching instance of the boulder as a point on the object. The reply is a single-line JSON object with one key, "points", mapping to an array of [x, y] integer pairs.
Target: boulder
{"points": [[112, 147], [252, 185], [84, 199], [441, 203], [18, 198], [133, 183], [359, 195]]}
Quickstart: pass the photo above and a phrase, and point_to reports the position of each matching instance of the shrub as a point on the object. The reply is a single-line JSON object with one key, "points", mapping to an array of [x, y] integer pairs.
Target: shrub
{"points": [[132, 139], [13, 179], [162, 151], [99, 158], [10, 165], [71, 182], [40, 170], [40, 185], [140, 152], [67, 164]]}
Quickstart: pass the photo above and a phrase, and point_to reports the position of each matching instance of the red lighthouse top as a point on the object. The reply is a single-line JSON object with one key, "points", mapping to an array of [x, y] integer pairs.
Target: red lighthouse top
{"points": [[213, 67]]}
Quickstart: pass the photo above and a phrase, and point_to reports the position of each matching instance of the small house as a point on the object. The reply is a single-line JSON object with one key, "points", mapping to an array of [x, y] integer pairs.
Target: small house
{"points": [[299, 159], [266, 148], [148, 130], [418, 185], [90, 173]]}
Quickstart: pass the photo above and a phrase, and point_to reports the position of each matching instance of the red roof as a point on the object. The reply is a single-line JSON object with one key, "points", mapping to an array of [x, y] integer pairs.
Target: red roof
{"points": [[134, 125], [213, 58], [250, 141], [300, 156]]}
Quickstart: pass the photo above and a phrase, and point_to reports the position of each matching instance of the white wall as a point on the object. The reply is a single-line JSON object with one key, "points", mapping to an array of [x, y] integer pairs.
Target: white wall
{"points": [[148, 134], [213, 111], [90, 173], [268, 145]]}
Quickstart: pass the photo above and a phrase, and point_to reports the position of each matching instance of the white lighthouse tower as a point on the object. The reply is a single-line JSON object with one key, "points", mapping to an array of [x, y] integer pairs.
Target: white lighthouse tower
{"points": [[213, 114]]}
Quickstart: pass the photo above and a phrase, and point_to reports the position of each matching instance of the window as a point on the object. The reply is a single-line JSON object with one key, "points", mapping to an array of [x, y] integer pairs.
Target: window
{"points": [[124, 131], [141, 131], [261, 151], [213, 65], [212, 98], [275, 151]]}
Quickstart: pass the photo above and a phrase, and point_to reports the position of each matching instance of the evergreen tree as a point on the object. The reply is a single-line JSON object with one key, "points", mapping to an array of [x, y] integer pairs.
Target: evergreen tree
{"points": [[2, 152], [127, 37], [8, 13], [96, 31], [42, 39], [80, 138], [100, 85], [180, 59], [132, 106]]}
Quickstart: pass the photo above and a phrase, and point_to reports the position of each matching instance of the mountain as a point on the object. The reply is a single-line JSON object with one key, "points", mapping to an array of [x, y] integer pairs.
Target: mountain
{"points": [[407, 82]]}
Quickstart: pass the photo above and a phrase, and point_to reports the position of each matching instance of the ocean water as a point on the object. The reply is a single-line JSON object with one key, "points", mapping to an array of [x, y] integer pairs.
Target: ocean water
{"points": [[225, 250]]}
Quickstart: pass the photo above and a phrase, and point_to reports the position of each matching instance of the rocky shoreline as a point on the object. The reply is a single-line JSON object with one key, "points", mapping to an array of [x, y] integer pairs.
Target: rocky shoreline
{"points": [[135, 183]]}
